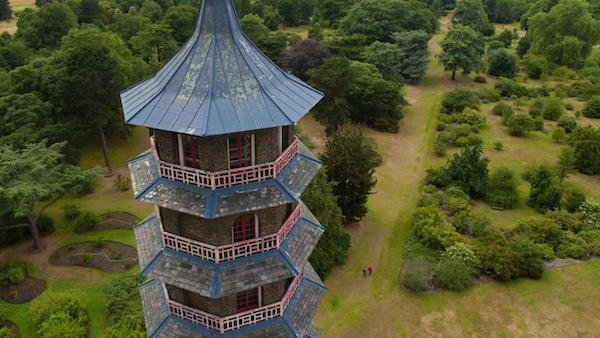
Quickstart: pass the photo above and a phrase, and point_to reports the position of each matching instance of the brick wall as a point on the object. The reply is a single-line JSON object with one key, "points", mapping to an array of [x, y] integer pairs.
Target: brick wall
{"points": [[225, 306], [219, 231]]}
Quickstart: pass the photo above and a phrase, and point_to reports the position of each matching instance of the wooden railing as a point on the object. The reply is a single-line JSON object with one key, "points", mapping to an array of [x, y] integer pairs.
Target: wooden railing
{"points": [[224, 324], [225, 178], [230, 251]]}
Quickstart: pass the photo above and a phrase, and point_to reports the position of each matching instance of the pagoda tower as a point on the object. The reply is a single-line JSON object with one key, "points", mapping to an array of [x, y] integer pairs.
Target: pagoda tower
{"points": [[226, 251]]}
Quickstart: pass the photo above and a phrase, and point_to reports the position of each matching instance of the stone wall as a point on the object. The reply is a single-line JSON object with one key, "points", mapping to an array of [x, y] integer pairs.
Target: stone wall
{"points": [[225, 306], [219, 231], [214, 149]]}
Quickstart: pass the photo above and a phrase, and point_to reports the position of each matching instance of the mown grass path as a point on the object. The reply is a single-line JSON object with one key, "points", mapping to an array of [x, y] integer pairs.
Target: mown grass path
{"points": [[561, 304]]}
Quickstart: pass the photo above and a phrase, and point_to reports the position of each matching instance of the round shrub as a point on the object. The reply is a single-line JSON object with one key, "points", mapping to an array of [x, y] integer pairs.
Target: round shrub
{"points": [[535, 109], [574, 199], [592, 108], [462, 253], [552, 108], [471, 117], [573, 246], [13, 273], [6, 332], [519, 90], [71, 211], [502, 108], [418, 273], [559, 135], [590, 215], [455, 101], [439, 148], [546, 251], [453, 275], [504, 86], [528, 258], [535, 66], [592, 238], [59, 316], [495, 45], [519, 125], [502, 63], [480, 79], [503, 188], [87, 219], [497, 257], [538, 123], [568, 123], [432, 230], [543, 231], [441, 126]]}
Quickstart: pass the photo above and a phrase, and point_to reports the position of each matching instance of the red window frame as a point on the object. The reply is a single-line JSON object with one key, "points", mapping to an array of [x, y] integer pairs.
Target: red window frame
{"points": [[191, 153], [244, 228], [240, 151], [247, 300]]}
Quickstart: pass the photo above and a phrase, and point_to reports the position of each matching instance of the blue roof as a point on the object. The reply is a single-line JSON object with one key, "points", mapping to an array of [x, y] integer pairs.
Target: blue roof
{"points": [[218, 83]]}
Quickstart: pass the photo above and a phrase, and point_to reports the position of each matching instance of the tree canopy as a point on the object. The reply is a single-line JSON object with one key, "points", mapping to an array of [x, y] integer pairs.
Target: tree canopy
{"points": [[5, 10], [45, 27], [462, 48], [182, 20], [304, 55], [586, 144], [502, 62], [471, 13]]}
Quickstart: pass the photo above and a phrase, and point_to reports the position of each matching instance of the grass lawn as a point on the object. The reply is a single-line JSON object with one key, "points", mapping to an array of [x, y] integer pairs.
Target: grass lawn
{"points": [[563, 303]]}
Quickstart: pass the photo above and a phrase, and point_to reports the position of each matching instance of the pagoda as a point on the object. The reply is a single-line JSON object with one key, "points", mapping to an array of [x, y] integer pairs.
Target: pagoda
{"points": [[226, 251]]}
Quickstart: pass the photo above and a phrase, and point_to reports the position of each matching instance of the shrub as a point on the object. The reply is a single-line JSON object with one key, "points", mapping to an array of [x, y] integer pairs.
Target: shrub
{"points": [[441, 126], [585, 141], [496, 255], [538, 123], [124, 308], [536, 66], [592, 108], [87, 219], [498, 146], [99, 243], [122, 183], [569, 106], [471, 117], [432, 229], [542, 231], [462, 253], [439, 148], [568, 123], [520, 124], [469, 224], [59, 316], [480, 79], [503, 188], [519, 90], [528, 258], [453, 275], [545, 194], [502, 108], [559, 135], [535, 109], [573, 200], [590, 215], [592, 238], [574, 247], [418, 273], [6, 332], [468, 171], [489, 95], [502, 63], [504, 86], [71, 211], [13, 273], [567, 221], [563, 72], [495, 45], [552, 108], [455, 101], [430, 189], [87, 258], [546, 251]]}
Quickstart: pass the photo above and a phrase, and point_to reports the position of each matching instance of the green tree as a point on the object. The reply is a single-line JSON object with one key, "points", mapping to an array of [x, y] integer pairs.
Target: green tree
{"points": [[377, 19], [468, 171], [334, 244], [459, 99], [90, 57], [33, 175], [545, 194], [387, 57], [126, 26], [5, 10], [46, 27], [566, 34], [462, 48], [470, 13], [182, 20], [415, 53], [520, 124], [502, 63], [258, 33], [124, 308], [592, 108], [89, 11], [154, 43], [332, 78], [151, 10], [289, 11], [334, 10], [350, 160], [503, 188], [566, 163], [315, 30], [586, 144]]}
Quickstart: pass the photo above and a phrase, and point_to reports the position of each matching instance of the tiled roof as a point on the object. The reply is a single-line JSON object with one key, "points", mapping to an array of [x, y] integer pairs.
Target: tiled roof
{"points": [[206, 203], [154, 304], [216, 280], [218, 83]]}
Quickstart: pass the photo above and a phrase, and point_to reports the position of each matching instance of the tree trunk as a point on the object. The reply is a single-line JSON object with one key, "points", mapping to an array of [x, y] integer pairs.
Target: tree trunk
{"points": [[109, 171], [453, 74], [35, 234]]}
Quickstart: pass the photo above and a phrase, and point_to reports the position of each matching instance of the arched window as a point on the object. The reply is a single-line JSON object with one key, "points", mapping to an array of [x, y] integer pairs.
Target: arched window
{"points": [[245, 228]]}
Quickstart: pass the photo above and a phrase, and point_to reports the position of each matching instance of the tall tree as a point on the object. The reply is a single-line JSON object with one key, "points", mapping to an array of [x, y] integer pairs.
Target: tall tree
{"points": [[182, 20], [89, 11], [334, 10], [350, 160], [304, 55], [471, 13], [566, 34], [462, 48], [546, 193], [5, 10], [33, 175], [46, 27], [468, 171], [586, 144], [91, 57], [154, 43]]}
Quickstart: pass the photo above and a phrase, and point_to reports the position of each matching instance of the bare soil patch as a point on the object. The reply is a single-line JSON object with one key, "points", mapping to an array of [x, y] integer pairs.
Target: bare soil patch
{"points": [[113, 220], [107, 256], [25, 292]]}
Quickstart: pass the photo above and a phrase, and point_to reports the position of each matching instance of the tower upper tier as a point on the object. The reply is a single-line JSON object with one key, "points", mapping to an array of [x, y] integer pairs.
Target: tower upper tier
{"points": [[218, 83]]}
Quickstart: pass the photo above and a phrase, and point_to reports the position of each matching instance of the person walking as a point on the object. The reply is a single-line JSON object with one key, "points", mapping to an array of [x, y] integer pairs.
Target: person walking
{"points": [[370, 270], [365, 271]]}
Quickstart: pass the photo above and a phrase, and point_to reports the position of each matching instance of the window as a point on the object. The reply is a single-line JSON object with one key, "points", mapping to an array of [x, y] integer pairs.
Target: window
{"points": [[245, 228], [248, 300], [189, 148], [241, 150]]}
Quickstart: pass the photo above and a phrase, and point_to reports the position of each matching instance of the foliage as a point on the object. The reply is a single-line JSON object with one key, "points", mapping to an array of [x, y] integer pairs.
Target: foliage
{"points": [[574, 199], [497, 257], [573, 246], [586, 144], [377, 19], [462, 48], [552, 108], [590, 214], [528, 258], [592, 108], [71, 211], [567, 221], [498, 146], [305, 55], [432, 229], [270, 44], [415, 54], [566, 163], [470, 13], [559, 135], [5, 10], [457, 100], [536, 66], [12, 273], [520, 124], [523, 46], [543, 231], [45, 27], [124, 308], [503, 188], [502, 63], [87, 219], [388, 58], [545, 194], [334, 244], [546, 252], [480, 79], [417, 273], [502, 108], [592, 238], [5, 331], [566, 34], [453, 275], [568, 123], [181, 19], [59, 316], [462, 253], [122, 183], [351, 159], [468, 171], [333, 10]]}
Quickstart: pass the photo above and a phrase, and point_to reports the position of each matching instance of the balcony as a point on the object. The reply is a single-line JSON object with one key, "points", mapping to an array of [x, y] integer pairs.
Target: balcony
{"points": [[233, 251], [233, 322], [225, 178]]}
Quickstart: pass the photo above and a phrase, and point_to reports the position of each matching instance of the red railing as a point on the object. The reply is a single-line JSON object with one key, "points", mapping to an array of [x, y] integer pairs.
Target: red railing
{"points": [[225, 178], [224, 324], [230, 251]]}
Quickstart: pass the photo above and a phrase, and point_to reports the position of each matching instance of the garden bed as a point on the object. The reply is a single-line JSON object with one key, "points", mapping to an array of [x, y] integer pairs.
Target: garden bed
{"points": [[12, 326], [107, 256], [26, 291], [113, 220]]}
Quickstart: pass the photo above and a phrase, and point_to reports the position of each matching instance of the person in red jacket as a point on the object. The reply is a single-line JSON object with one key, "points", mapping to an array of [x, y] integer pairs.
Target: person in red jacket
{"points": [[370, 270]]}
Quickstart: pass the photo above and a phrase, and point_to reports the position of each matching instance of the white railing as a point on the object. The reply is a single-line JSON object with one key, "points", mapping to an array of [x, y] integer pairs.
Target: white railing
{"points": [[224, 324], [230, 251], [225, 178]]}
